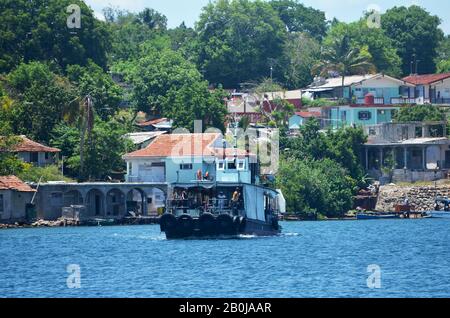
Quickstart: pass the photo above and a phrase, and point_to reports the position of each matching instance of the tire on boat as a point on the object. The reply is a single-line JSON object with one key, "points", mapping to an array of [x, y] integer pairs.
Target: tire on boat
{"points": [[242, 224], [225, 225], [185, 225], [168, 222], [207, 224]]}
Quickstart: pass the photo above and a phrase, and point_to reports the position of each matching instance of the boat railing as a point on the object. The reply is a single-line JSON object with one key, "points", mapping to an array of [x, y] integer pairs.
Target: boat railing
{"points": [[213, 206]]}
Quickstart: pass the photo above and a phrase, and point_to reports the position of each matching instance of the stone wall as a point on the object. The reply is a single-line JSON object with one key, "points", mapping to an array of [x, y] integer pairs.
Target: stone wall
{"points": [[421, 197]]}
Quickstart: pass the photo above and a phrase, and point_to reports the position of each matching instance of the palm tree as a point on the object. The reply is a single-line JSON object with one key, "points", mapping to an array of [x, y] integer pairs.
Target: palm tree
{"points": [[341, 57]]}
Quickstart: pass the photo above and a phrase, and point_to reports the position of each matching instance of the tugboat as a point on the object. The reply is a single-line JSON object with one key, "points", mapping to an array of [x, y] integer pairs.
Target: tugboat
{"points": [[212, 210]]}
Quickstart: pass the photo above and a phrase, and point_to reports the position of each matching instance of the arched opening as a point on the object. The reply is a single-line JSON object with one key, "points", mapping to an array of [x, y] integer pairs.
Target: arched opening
{"points": [[73, 197], [115, 203], [95, 203], [136, 202], [156, 202]]}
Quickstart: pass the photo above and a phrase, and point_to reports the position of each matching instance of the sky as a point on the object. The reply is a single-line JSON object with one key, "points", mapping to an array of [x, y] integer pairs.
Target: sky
{"points": [[188, 11]]}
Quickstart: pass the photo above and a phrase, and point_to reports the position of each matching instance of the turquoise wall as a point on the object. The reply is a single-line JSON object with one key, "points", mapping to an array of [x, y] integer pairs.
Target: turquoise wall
{"points": [[295, 122], [378, 115]]}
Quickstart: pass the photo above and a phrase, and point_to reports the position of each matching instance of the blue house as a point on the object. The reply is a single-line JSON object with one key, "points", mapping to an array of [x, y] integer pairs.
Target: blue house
{"points": [[385, 89], [186, 158], [360, 115]]}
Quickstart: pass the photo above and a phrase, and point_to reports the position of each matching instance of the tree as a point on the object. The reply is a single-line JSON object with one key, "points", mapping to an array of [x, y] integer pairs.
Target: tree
{"points": [[37, 30], [318, 187], [340, 57], [381, 48], [92, 80], [102, 156], [237, 40], [41, 98], [420, 113], [414, 31], [184, 40], [301, 53], [443, 58], [299, 18]]}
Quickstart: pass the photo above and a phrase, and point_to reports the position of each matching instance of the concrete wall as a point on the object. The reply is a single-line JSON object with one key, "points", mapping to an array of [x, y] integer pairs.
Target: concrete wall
{"points": [[14, 205]]}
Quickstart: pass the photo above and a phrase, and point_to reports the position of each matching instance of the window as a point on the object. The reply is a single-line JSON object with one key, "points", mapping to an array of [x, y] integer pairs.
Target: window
{"points": [[231, 165], [220, 165], [1, 204], [241, 165], [186, 166], [131, 169], [365, 115], [47, 156]]}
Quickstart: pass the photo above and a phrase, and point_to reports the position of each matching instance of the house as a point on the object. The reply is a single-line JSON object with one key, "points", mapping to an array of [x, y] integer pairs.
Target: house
{"points": [[431, 88], [411, 152], [178, 158], [300, 118], [386, 90], [35, 153], [358, 115], [15, 198]]}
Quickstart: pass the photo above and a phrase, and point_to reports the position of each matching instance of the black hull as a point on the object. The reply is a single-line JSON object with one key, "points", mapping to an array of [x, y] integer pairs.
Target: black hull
{"points": [[250, 227]]}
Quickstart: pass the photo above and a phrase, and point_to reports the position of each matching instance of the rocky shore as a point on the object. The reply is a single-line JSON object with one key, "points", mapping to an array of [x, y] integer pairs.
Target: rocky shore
{"points": [[40, 223], [422, 198]]}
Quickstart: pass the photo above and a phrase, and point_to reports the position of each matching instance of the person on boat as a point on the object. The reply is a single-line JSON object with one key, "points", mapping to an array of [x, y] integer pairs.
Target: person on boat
{"points": [[206, 176], [221, 198], [199, 175], [235, 201]]}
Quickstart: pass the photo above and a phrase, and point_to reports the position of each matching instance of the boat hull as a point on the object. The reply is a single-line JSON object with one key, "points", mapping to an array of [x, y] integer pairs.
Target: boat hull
{"points": [[376, 217], [440, 214], [250, 228]]}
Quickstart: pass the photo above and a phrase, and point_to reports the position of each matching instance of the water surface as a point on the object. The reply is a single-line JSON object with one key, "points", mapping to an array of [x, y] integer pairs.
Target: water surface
{"points": [[310, 259]]}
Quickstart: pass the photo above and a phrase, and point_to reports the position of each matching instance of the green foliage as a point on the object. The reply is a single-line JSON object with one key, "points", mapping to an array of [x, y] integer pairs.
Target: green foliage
{"points": [[10, 164], [37, 30], [418, 113], [299, 18], [414, 31], [380, 47], [301, 53], [340, 57], [41, 98], [237, 40], [31, 173], [315, 186], [91, 80], [103, 154]]}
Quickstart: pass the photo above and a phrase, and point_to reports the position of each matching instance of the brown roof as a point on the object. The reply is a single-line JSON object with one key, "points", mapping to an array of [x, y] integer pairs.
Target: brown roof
{"points": [[426, 79], [28, 145], [152, 122], [308, 114], [180, 145], [14, 183]]}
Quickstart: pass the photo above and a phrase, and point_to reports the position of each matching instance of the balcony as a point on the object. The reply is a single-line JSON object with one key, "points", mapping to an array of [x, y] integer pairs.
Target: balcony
{"points": [[440, 101]]}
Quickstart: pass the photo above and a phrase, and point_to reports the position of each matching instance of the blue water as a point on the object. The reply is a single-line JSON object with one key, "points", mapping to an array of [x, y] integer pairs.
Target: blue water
{"points": [[310, 259]]}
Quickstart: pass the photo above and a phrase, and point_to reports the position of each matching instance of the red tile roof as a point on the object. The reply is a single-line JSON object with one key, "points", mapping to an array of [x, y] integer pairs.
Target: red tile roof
{"points": [[28, 145], [309, 114], [180, 145], [14, 183], [426, 79]]}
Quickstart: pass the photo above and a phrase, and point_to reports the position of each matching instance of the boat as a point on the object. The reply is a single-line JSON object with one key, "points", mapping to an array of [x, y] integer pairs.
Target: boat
{"points": [[206, 210], [376, 216], [441, 208]]}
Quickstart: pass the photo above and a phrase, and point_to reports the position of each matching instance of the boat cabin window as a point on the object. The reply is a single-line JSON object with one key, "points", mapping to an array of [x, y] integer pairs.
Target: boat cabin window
{"points": [[186, 166], [220, 165], [231, 165], [241, 164]]}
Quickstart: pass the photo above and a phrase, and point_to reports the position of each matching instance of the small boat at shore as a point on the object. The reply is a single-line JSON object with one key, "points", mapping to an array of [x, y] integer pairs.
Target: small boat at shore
{"points": [[207, 210], [441, 209], [376, 216]]}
